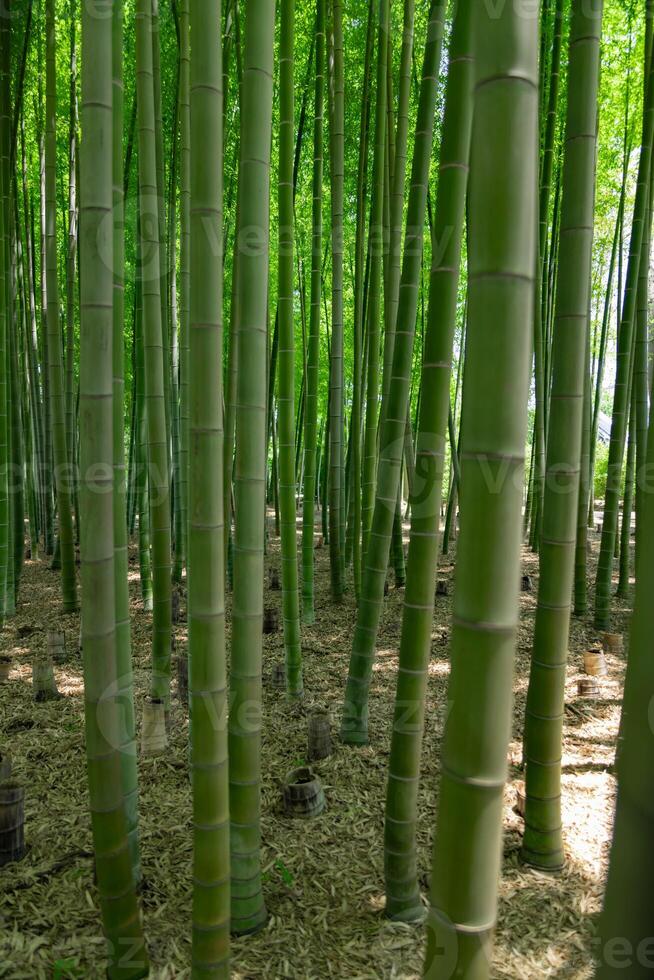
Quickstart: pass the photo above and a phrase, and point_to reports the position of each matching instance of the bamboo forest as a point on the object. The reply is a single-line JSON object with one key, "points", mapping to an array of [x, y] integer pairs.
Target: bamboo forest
{"points": [[326, 489]]}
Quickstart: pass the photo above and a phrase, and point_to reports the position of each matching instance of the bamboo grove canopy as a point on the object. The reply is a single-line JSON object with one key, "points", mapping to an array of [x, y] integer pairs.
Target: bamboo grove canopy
{"points": [[372, 278]]}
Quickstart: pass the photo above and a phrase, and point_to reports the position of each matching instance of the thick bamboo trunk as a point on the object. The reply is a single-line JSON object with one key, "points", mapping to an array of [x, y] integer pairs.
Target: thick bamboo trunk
{"points": [[248, 908], [501, 262], [113, 857], [542, 843], [206, 554]]}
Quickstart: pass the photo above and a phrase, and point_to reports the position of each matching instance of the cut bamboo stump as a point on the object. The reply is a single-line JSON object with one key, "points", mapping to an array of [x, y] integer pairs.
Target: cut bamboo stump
{"points": [[56, 646], [5, 667], [176, 607], [270, 620], [12, 821], [44, 685], [319, 734], [5, 765], [303, 794], [587, 687], [594, 662], [182, 677], [278, 676], [441, 587], [274, 579], [520, 798], [154, 740], [613, 642], [526, 583]]}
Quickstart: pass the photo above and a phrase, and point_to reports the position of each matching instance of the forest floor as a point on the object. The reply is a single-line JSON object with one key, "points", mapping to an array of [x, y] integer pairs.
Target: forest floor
{"points": [[323, 878]]}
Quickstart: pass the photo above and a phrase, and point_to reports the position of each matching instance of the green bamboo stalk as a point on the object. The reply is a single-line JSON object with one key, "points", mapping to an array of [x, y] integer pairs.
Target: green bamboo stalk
{"points": [[113, 860], [542, 843], [161, 212], [402, 890], [393, 208], [248, 908], [449, 528], [337, 163], [49, 535], [502, 251], [271, 378], [172, 329], [206, 554], [396, 203], [31, 343], [132, 461], [354, 728], [16, 540], [604, 334], [625, 924], [273, 486], [62, 468], [547, 162], [397, 181], [71, 254], [230, 385], [5, 65], [22, 418], [640, 379], [622, 919], [376, 246], [627, 503], [145, 564], [313, 345], [184, 269], [155, 389], [286, 392], [16, 487], [624, 364], [616, 247], [581, 547], [10, 585], [360, 268], [125, 691], [24, 391]]}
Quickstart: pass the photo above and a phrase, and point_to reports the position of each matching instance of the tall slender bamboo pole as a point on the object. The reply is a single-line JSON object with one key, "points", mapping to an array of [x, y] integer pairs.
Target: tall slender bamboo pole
{"points": [[153, 327], [248, 908], [313, 345], [128, 957], [5, 68], [354, 727], [542, 843], [625, 925], [121, 558], [501, 267], [62, 467], [624, 362], [184, 266], [376, 247], [286, 392], [206, 555], [337, 162], [402, 889]]}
